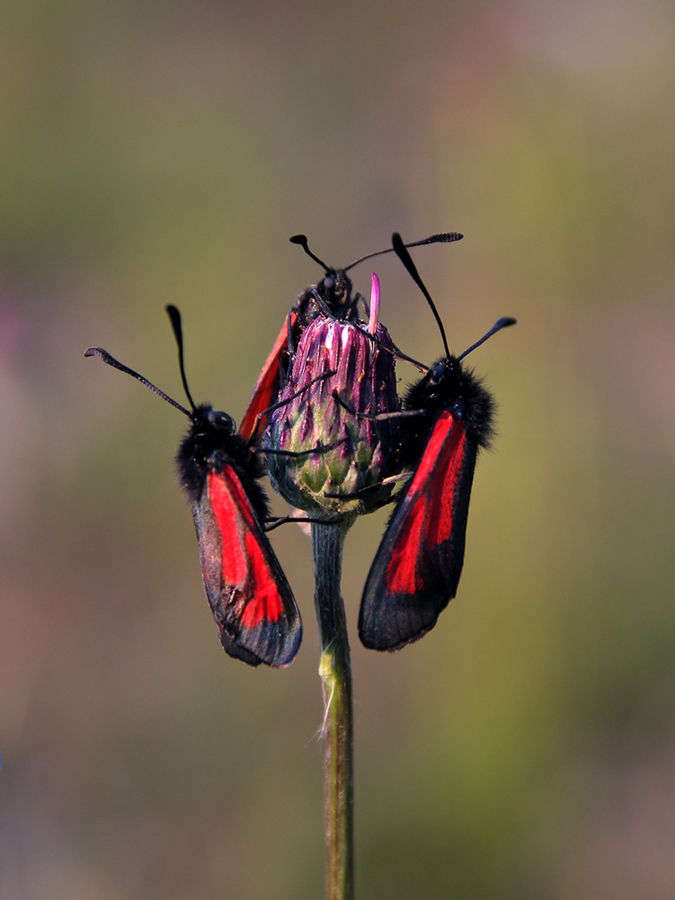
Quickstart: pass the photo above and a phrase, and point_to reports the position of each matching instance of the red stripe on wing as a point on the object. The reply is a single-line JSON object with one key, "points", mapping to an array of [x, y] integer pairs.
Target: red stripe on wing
{"points": [[427, 507], [402, 572], [246, 558], [452, 438]]}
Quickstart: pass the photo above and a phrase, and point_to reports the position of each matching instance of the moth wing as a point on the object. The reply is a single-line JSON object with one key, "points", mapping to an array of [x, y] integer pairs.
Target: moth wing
{"points": [[252, 603], [418, 564], [267, 386]]}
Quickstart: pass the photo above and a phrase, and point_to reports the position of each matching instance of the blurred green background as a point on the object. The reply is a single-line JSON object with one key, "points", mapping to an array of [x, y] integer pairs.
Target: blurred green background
{"points": [[155, 153]]}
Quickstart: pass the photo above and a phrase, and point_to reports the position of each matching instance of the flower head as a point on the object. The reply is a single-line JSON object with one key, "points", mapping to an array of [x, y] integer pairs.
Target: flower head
{"points": [[355, 363]]}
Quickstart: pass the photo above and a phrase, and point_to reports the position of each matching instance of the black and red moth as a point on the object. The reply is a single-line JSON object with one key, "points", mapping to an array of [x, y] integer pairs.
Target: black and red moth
{"points": [[256, 615], [331, 295], [446, 419]]}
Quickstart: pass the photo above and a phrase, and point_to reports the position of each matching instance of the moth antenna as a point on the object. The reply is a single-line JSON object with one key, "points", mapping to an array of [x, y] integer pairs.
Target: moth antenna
{"points": [[174, 316], [303, 242], [111, 361], [445, 237], [400, 249], [499, 324]]}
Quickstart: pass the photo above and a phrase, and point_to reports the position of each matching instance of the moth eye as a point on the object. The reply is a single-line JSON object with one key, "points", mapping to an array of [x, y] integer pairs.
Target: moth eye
{"points": [[222, 420], [329, 282]]}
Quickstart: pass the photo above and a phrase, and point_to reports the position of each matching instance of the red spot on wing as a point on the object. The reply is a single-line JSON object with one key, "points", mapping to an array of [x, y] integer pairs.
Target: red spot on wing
{"points": [[266, 604], [428, 506], [267, 386], [246, 560]]}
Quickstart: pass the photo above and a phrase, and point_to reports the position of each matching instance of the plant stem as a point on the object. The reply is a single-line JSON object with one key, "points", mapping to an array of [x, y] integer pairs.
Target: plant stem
{"points": [[336, 673]]}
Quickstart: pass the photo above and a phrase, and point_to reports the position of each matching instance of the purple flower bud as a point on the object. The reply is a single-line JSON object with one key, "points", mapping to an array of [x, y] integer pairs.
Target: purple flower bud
{"points": [[353, 452]]}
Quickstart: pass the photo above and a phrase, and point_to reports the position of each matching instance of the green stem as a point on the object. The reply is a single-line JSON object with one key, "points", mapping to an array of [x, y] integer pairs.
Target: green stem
{"points": [[336, 673]]}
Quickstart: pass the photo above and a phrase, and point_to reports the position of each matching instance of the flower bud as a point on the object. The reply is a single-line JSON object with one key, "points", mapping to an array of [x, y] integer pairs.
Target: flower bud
{"points": [[352, 452]]}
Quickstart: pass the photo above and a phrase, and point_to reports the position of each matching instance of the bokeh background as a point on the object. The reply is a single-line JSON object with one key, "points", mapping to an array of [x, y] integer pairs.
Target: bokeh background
{"points": [[164, 152]]}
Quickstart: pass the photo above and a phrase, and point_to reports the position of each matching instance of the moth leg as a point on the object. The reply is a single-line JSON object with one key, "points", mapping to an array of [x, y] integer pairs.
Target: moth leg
{"points": [[391, 479], [275, 521], [380, 417], [262, 415]]}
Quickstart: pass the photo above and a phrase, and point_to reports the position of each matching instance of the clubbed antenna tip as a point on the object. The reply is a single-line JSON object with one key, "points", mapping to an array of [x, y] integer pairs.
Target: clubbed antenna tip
{"points": [[301, 239]]}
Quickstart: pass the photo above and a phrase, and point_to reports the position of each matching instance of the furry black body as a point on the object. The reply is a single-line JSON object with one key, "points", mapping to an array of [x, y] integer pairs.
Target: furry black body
{"points": [[335, 291], [212, 444], [446, 387]]}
